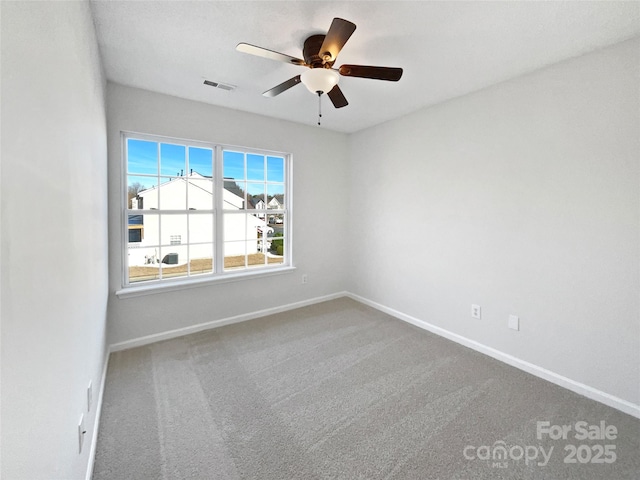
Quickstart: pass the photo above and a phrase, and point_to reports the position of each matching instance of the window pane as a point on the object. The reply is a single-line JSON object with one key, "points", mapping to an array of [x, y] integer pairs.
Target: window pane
{"points": [[235, 227], [174, 261], [173, 193], [234, 255], [261, 215], [201, 161], [233, 165], [200, 228], [142, 263], [141, 256], [135, 227], [275, 169], [149, 231], [276, 260], [264, 240], [256, 196], [256, 260], [255, 167], [276, 244], [200, 194], [142, 156], [172, 160], [201, 259], [275, 194], [201, 251], [142, 192], [233, 195], [173, 230], [276, 220], [135, 234]]}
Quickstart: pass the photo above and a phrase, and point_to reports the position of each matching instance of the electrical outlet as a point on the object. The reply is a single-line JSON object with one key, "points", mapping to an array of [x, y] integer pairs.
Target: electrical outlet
{"points": [[89, 396], [476, 311], [514, 322], [304, 278], [81, 433]]}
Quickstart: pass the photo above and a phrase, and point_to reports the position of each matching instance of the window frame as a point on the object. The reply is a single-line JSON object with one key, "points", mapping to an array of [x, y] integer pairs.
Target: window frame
{"points": [[218, 274]]}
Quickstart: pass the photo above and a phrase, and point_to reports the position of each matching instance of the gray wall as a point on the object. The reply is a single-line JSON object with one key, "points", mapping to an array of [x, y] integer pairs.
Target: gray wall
{"points": [[54, 236], [522, 198], [320, 193]]}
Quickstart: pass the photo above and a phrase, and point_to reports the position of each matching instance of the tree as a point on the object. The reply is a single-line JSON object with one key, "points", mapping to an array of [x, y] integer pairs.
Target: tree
{"points": [[133, 190]]}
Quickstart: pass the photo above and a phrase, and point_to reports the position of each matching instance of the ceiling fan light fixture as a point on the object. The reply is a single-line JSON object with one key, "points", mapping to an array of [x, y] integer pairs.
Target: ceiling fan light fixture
{"points": [[319, 79]]}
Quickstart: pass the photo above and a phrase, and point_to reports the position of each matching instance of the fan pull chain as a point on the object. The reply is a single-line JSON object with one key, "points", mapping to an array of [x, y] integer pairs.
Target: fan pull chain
{"points": [[319, 106]]}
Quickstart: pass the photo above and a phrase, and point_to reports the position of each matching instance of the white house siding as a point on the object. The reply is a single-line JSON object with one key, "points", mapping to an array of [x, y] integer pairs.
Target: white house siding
{"points": [[241, 230], [275, 204]]}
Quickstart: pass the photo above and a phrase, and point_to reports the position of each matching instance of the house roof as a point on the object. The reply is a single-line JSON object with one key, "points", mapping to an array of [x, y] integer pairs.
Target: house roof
{"points": [[195, 181]]}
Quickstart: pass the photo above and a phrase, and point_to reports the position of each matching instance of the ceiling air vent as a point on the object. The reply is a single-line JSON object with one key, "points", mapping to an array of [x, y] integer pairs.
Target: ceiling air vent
{"points": [[222, 86]]}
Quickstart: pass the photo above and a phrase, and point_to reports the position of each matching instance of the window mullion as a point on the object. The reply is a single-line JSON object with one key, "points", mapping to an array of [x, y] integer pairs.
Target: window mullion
{"points": [[265, 195], [186, 206], [218, 237], [160, 248], [288, 202]]}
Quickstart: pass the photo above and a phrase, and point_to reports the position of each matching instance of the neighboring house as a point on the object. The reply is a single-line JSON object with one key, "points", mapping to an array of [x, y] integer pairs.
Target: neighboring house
{"points": [[276, 203], [258, 204], [244, 233]]}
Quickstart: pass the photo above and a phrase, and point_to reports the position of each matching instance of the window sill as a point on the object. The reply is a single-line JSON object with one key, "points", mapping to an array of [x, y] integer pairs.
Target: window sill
{"points": [[182, 284]]}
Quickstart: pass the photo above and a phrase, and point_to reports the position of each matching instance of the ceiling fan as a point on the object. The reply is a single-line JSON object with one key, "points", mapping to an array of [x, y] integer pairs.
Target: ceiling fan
{"points": [[320, 53]]}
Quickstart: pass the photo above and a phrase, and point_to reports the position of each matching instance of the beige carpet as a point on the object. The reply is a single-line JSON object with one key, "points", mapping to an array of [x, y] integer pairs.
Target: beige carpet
{"points": [[339, 390]]}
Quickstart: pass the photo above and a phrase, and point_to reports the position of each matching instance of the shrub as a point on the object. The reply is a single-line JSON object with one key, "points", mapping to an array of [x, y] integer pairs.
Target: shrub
{"points": [[277, 244]]}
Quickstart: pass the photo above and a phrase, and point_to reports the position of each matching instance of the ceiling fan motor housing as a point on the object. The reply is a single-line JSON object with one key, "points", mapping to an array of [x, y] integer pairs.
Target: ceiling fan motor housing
{"points": [[311, 51]]}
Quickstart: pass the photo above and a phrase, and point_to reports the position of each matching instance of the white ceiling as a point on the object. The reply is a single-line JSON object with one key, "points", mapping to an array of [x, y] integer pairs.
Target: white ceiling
{"points": [[447, 49]]}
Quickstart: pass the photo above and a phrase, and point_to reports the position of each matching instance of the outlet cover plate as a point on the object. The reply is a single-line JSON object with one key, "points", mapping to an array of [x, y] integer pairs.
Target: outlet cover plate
{"points": [[514, 322], [476, 311]]}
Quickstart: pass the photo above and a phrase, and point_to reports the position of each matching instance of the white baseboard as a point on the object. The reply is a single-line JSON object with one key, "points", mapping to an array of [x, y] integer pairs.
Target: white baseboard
{"points": [[179, 332], [577, 387], [94, 437]]}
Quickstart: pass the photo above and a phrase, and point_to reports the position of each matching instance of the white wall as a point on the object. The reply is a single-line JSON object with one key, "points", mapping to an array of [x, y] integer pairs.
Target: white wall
{"points": [[319, 227], [522, 198], [54, 236]]}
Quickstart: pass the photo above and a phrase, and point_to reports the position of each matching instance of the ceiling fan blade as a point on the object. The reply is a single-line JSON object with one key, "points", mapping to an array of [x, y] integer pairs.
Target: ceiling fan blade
{"points": [[367, 71], [292, 82], [337, 98], [338, 34], [263, 52]]}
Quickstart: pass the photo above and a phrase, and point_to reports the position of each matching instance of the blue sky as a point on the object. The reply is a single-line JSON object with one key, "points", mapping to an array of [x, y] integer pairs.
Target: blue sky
{"points": [[143, 159]]}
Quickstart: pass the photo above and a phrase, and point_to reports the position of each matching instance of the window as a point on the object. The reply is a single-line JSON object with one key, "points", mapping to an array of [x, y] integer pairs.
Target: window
{"points": [[135, 234], [136, 228], [197, 210]]}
